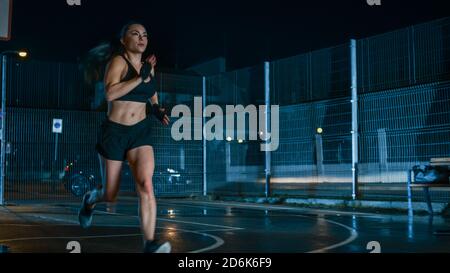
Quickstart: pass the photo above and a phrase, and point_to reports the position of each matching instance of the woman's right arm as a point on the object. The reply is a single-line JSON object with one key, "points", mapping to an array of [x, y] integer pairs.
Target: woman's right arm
{"points": [[115, 89]]}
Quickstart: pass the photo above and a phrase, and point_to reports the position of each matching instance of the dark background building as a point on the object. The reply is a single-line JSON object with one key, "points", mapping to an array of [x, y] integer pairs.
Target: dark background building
{"points": [[185, 33]]}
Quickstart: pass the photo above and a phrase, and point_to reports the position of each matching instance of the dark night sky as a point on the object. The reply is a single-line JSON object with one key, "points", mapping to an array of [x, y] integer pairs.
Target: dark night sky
{"points": [[184, 33]]}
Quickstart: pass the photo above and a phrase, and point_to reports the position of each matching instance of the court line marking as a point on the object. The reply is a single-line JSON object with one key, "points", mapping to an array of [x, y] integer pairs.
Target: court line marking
{"points": [[353, 236], [105, 225], [39, 225], [76, 223], [172, 220], [238, 205], [353, 233], [162, 219], [202, 224], [218, 241], [70, 237]]}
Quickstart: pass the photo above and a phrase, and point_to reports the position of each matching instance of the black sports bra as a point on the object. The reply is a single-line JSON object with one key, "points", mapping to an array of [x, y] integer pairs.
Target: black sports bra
{"points": [[142, 92]]}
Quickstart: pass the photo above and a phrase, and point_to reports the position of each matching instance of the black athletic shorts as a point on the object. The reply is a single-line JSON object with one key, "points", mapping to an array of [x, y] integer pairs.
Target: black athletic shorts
{"points": [[115, 140]]}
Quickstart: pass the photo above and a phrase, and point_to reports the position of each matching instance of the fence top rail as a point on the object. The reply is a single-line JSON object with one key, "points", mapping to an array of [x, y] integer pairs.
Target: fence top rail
{"points": [[429, 23]]}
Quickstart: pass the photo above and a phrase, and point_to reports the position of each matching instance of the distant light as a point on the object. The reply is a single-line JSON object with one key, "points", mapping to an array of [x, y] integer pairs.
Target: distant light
{"points": [[229, 139], [23, 54], [319, 130], [240, 141], [261, 133]]}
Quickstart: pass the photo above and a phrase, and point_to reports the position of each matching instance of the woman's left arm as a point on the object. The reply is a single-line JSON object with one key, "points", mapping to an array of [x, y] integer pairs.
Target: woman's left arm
{"points": [[154, 99], [158, 111], [152, 60]]}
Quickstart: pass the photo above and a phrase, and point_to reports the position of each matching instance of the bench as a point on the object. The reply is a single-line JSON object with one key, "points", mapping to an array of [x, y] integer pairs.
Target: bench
{"points": [[426, 187]]}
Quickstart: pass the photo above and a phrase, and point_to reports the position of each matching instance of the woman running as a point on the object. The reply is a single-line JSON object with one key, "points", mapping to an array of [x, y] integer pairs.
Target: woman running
{"points": [[126, 133]]}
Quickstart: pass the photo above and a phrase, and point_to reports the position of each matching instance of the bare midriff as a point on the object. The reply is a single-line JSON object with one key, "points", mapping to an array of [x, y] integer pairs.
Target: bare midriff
{"points": [[126, 112]]}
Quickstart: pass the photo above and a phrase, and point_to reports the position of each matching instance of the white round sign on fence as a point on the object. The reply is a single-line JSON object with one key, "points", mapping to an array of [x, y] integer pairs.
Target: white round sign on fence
{"points": [[57, 126]]}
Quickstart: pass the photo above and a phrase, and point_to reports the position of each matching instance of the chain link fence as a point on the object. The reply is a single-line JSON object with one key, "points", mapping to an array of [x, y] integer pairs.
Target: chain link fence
{"points": [[403, 114]]}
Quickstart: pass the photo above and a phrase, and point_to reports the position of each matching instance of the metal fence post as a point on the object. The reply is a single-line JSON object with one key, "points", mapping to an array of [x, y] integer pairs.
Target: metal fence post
{"points": [[355, 134], [319, 156], [3, 132], [268, 125], [412, 56], [205, 180]]}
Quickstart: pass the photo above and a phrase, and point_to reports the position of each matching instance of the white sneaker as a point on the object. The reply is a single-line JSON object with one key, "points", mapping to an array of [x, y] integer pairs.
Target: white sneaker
{"points": [[153, 247]]}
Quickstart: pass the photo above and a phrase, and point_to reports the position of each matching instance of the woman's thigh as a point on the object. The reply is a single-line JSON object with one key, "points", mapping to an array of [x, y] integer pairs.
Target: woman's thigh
{"points": [[113, 170], [142, 165]]}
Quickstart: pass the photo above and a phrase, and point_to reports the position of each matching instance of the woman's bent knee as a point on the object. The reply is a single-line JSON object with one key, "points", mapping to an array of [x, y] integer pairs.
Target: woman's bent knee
{"points": [[145, 188]]}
